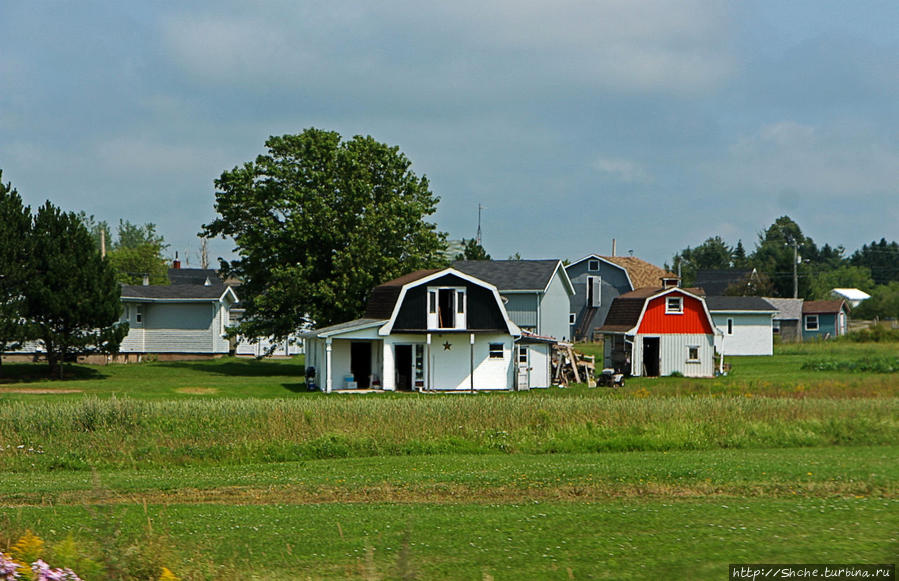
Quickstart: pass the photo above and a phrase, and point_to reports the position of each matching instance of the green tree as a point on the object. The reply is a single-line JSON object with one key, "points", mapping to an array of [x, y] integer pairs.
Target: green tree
{"points": [[71, 297], [15, 223], [318, 221], [883, 304], [138, 251], [472, 251], [713, 254], [843, 277], [881, 257], [774, 256]]}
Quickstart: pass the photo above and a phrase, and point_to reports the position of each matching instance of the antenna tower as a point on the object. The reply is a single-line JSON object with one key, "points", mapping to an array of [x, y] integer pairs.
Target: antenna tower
{"points": [[478, 237]]}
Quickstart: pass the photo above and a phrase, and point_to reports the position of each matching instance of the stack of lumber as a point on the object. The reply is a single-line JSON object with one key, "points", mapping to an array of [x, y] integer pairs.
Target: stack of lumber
{"points": [[569, 366]]}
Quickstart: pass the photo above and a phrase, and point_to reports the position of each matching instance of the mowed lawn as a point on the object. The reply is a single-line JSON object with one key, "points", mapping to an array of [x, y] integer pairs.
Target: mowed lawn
{"points": [[230, 469]]}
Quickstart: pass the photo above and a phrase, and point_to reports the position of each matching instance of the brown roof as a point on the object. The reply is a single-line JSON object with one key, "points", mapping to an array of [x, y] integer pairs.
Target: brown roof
{"points": [[642, 273], [384, 296], [821, 307], [646, 292]]}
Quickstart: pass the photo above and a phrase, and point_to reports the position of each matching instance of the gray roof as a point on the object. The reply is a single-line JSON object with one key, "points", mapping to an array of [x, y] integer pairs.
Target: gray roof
{"points": [[738, 304], [787, 309], [193, 275], [173, 291], [715, 282], [511, 275], [186, 284]]}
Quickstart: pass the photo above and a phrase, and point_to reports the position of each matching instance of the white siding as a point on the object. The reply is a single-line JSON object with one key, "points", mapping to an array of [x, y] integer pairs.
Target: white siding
{"points": [[752, 334], [673, 350], [177, 328]]}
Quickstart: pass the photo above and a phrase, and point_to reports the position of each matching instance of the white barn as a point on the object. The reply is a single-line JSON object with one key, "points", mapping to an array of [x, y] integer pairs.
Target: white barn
{"points": [[433, 330]]}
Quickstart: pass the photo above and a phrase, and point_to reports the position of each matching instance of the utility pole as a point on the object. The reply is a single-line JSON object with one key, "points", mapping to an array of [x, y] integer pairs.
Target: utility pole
{"points": [[478, 237], [795, 269]]}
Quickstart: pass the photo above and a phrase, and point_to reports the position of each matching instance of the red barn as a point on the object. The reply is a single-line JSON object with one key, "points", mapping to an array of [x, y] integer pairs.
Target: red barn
{"points": [[652, 332]]}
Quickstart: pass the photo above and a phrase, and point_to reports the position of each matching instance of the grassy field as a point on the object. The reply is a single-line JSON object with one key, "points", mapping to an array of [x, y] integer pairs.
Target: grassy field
{"points": [[230, 469]]}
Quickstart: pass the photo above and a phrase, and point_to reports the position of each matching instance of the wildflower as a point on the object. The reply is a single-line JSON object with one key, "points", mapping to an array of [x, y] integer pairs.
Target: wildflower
{"points": [[8, 569], [43, 572]]}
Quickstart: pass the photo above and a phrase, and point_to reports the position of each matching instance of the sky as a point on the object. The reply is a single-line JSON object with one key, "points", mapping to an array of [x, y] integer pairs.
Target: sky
{"points": [[656, 123]]}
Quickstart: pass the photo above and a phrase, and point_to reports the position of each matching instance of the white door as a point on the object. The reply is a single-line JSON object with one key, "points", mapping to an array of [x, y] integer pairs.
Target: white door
{"points": [[524, 372]]}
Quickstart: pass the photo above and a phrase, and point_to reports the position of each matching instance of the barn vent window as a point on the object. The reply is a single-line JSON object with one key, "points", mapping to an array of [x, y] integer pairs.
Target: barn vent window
{"points": [[674, 305]]}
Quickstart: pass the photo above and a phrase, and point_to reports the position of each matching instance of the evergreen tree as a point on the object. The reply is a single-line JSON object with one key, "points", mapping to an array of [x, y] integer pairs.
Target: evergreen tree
{"points": [[882, 258], [15, 222], [472, 251], [71, 297]]}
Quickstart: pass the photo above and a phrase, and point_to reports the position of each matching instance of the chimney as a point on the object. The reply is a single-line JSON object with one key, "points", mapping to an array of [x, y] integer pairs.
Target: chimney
{"points": [[176, 264], [614, 246], [146, 281]]}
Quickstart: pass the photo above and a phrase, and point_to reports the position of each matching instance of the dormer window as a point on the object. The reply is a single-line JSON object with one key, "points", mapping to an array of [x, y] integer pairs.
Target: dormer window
{"points": [[446, 308], [674, 305]]}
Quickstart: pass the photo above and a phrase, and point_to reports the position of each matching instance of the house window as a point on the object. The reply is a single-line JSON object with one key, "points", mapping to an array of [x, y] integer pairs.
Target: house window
{"points": [[775, 326], [674, 305], [592, 265], [572, 317], [811, 322], [496, 351], [693, 354], [446, 308], [522, 354], [138, 315], [730, 326]]}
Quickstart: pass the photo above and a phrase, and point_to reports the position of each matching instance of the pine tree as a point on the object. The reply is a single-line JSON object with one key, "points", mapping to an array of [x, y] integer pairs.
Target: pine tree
{"points": [[15, 222], [71, 298]]}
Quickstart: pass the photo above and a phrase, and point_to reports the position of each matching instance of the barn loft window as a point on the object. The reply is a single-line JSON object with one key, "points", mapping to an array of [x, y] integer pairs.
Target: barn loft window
{"points": [[674, 305], [592, 265], [446, 308]]}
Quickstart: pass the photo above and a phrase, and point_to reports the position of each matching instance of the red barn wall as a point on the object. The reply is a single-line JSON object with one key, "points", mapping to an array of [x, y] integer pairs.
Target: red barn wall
{"points": [[692, 321]]}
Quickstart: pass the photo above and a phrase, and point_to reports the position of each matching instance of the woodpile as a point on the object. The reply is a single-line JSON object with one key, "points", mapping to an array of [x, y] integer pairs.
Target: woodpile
{"points": [[569, 366]]}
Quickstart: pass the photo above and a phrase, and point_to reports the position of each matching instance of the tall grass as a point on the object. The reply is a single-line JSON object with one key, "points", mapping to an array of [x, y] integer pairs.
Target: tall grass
{"points": [[120, 432]]}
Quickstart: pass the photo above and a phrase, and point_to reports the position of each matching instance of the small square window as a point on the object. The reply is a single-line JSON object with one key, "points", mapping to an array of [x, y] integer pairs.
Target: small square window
{"points": [[811, 322], [775, 326], [572, 317], [693, 353], [674, 305], [496, 351], [592, 265]]}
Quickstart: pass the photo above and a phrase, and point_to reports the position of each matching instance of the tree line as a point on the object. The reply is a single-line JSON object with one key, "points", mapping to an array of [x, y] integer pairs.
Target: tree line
{"points": [[873, 268]]}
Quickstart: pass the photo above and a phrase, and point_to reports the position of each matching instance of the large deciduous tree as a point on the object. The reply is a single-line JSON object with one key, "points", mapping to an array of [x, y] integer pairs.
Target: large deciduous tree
{"points": [[15, 223], [71, 297], [317, 222]]}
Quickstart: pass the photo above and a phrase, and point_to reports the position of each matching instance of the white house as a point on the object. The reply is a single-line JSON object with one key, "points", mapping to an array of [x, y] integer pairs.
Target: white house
{"points": [[189, 317], [745, 325], [432, 330]]}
